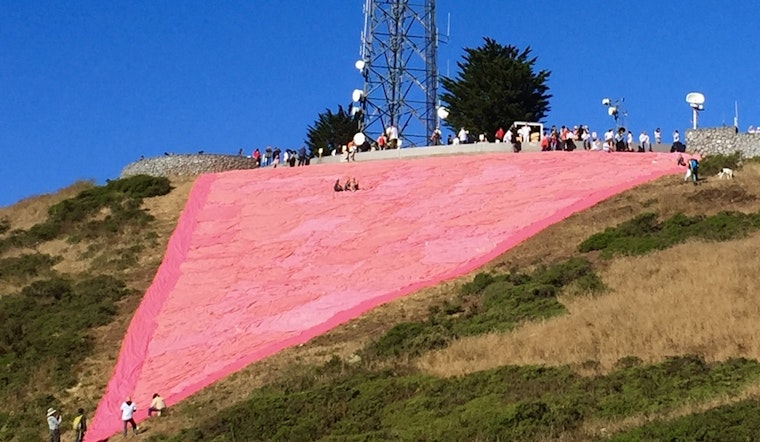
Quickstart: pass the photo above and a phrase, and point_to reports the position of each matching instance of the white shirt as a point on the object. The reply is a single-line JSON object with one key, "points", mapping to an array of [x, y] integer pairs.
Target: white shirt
{"points": [[608, 135], [54, 423], [525, 133], [630, 138], [676, 137], [392, 133], [127, 410], [643, 138]]}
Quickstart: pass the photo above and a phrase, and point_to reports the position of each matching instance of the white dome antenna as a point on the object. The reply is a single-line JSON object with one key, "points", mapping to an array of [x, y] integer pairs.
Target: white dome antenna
{"points": [[697, 103]]}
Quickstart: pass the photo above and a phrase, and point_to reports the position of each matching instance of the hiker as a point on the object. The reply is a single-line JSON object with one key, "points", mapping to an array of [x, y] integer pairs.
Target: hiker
{"points": [[79, 425], [128, 409], [694, 169], [54, 424], [157, 405]]}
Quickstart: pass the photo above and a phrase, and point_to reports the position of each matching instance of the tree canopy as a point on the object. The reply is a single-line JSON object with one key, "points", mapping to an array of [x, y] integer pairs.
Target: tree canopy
{"points": [[496, 86], [332, 129]]}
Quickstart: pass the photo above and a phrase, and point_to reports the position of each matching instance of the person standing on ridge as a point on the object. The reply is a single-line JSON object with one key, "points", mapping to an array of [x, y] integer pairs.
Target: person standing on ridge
{"points": [[128, 410], [499, 135], [54, 424], [79, 425]]}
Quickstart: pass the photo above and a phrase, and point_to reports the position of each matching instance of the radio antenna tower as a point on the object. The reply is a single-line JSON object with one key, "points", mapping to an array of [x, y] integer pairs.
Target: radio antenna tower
{"points": [[398, 63]]}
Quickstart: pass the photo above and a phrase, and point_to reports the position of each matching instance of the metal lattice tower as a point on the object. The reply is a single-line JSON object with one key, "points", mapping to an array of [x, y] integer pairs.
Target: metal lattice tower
{"points": [[398, 62]]}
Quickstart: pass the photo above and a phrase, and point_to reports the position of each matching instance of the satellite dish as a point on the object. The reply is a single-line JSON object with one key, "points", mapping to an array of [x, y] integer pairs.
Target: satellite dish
{"points": [[605, 101], [359, 139], [360, 64], [443, 113], [357, 95], [695, 98]]}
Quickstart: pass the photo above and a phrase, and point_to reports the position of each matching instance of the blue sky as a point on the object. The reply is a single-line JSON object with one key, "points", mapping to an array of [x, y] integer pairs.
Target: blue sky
{"points": [[88, 86]]}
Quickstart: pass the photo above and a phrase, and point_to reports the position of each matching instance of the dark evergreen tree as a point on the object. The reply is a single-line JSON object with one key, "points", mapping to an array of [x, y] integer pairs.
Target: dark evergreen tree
{"points": [[496, 86], [332, 129]]}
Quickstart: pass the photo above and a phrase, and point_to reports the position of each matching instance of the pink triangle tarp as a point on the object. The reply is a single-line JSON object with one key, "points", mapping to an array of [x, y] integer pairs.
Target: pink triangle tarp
{"points": [[265, 259]]}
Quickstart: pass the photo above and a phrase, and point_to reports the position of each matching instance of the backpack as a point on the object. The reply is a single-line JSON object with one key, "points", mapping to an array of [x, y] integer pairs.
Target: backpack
{"points": [[77, 423]]}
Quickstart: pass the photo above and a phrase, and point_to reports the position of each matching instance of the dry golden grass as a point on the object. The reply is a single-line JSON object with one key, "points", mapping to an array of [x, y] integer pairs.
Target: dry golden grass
{"points": [[33, 210], [694, 298]]}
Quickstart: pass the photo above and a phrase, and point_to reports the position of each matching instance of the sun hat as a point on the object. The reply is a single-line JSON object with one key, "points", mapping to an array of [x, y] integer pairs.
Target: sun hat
{"points": [[51, 411]]}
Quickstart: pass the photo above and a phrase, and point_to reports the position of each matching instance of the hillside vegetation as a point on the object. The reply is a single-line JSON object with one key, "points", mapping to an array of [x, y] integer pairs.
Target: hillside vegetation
{"points": [[633, 320]]}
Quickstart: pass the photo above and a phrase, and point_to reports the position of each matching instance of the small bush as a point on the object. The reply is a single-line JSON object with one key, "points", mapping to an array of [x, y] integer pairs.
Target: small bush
{"points": [[477, 285], [712, 164], [26, 266], [5, 225]]}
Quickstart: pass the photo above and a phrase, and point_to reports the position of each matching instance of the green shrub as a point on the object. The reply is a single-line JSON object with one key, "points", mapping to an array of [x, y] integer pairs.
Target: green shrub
{"points": [[48, 322], [5, 225], [734, 422], [94, 213], [712, 164], [490, 302], [26, 266], [477, 284], [643, 233], [507, 403]]}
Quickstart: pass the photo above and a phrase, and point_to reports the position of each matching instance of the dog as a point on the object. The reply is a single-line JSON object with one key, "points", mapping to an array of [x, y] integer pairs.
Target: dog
{"points": [[726, 173]]}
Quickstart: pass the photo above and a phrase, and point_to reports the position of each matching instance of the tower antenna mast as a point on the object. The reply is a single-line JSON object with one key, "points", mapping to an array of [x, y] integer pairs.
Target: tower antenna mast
{"points": [[398, 62]]}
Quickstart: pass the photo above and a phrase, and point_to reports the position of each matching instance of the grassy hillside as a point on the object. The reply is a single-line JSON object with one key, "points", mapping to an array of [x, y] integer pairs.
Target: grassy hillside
{"points": [[73, 267], [634, 320]]}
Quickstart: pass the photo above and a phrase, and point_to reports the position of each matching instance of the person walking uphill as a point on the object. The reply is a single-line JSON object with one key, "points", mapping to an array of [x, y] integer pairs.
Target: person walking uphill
{"points": [[79, 425], [128, 409], [54, 424]]}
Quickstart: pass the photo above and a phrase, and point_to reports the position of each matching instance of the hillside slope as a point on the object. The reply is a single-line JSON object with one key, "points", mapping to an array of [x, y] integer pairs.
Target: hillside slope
{"points": [[660, 288], [556, 243]]}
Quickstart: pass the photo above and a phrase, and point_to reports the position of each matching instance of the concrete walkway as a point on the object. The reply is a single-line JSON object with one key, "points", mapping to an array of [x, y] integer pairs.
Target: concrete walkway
{"points": [[452, 149]]}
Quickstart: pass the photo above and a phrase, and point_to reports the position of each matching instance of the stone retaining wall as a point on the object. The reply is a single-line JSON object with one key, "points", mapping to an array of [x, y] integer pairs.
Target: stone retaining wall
{"points": [[722, 141], [196, 164]]}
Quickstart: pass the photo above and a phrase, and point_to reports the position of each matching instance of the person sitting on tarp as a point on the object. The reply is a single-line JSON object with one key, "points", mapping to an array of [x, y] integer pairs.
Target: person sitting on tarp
{"points": [[353, 185], [337, 187], [694, 169]]}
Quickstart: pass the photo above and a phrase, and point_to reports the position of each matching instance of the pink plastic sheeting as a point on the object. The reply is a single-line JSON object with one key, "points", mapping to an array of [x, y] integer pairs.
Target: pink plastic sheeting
{"points": [[266, 259]]}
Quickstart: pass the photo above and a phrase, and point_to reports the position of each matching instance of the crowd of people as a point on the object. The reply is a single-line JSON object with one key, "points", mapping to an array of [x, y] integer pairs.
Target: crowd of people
{"points": [[566, 139], [275, 156]]}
